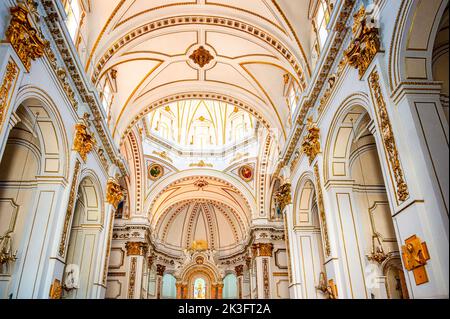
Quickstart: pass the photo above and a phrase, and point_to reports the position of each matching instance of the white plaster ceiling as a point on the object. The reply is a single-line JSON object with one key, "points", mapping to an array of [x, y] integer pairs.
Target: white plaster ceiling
{"points": [[253, 44]]}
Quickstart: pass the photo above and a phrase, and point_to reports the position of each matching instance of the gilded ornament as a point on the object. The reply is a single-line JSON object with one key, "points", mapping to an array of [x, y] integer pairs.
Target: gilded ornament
{"points": [[202, 163], [24, 38], [283, 196], [365, 43], [5, 90], [415, 256], [311, 143], [84, 141], [263, 249], [387, 136], [321, 208], [56, 290], [136, 248], [201, 56], [69, 210], [114, 193]]}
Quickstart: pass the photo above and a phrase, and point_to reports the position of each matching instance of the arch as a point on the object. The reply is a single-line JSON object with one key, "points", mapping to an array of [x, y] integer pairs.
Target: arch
{"points": [[152, 102], [412, 43], [340, 133], [83, 260], [51, 133], [230, 287]]}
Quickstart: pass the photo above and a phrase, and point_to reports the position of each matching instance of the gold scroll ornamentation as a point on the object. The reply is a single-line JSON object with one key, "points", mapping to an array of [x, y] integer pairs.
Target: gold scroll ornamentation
{"points": [[283, 196], [415, 256], [114, 193], [24, 38], [365, 43], [8, 82], [311, 143], [387, 135], [56, 290], [201, 164], [70, 207], [84, 141], [321, 207]]}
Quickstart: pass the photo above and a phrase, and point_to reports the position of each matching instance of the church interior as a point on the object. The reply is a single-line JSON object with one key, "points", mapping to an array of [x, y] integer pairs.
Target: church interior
{"points": [[224, 149]]}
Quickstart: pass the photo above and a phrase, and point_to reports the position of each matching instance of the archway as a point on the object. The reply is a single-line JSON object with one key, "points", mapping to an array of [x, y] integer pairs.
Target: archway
{"points": [[169, 289], [230, 287], [352, 158], [82, 258], [309, 233], [32, 165]]}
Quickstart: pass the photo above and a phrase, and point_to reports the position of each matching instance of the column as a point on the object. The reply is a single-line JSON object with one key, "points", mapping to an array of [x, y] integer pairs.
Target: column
{"points": [[240, 279], [160, 269], [263, 259], [219, 291], [413, 134], [136, 252]]}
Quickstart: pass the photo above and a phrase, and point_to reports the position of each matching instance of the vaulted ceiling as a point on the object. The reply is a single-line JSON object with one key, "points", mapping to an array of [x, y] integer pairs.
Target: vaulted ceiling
{"points": [[200, 208], [229, 50]]}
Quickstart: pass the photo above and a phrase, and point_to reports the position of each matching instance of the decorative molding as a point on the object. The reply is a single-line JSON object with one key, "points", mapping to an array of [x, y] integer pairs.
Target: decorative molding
{"points": [[322, 214], [70, 208], [132, 281], [311, 143], [163, 155], [365, 43], [84, 141], [340, 31], [387, 136], [24, 38], [7, 88], [266, 278], [114, 193]]}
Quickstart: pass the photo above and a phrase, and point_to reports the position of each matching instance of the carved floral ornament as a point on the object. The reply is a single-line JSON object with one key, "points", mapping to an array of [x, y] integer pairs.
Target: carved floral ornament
{"points": [[387, 136], [84, 141], [8, 82], [365, 43], [201, 56], [114, 193], [311, 143], [24, 38]]}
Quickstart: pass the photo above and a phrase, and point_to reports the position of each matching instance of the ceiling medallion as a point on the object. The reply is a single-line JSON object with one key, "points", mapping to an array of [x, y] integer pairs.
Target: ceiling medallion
{"points": [[201, 183], [155, 172], [201, 56], [246, 173]]}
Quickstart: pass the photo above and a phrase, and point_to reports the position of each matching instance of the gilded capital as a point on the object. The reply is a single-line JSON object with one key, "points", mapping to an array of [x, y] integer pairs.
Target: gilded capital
{"points": [[114, 193], [160, 269], [24, 38], [311, 143], [136, 248], [263, 249], [84, 141], [239, 270]]}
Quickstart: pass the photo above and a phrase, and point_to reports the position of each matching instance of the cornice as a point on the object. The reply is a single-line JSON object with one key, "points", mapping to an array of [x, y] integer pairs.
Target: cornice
{"points": [[83, 87], [319, 79]]}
